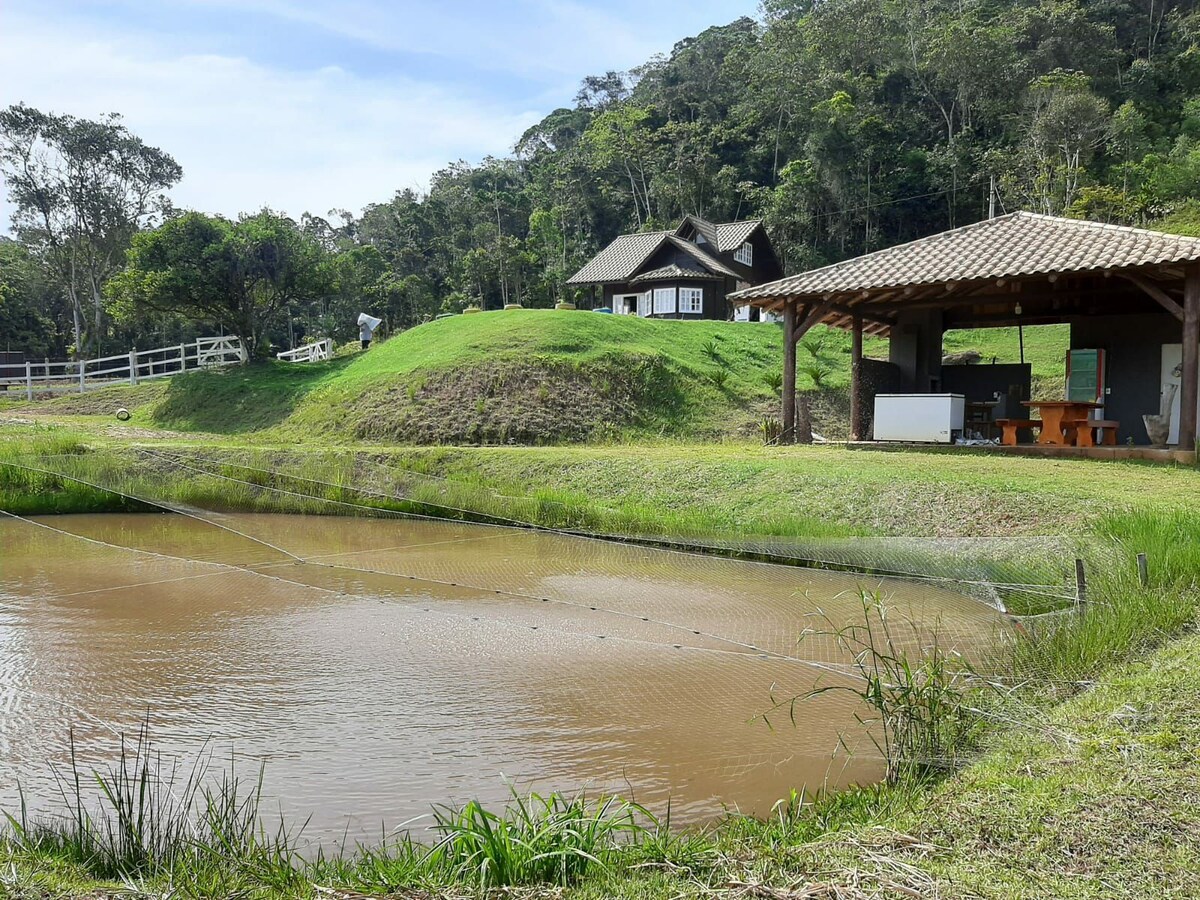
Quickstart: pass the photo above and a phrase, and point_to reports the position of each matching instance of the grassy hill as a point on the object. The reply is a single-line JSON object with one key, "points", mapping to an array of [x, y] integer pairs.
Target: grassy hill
{"points": [[531, 377]]}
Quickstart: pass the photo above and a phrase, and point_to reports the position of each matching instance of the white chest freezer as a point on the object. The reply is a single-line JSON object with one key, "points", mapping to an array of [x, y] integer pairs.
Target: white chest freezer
{"points": [[924, 418]]}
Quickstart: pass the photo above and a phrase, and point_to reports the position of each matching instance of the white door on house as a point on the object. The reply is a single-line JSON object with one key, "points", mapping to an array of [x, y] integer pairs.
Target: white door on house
{"points": [[627, 305], [1172, 363]]}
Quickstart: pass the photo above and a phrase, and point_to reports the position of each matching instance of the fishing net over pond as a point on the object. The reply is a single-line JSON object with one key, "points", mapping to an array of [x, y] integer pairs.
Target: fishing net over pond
{"points": [[380, 662]]}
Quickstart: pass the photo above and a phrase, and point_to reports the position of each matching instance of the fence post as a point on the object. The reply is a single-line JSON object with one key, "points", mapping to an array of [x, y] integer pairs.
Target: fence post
{"points": [[29, 381], [133, 372], [183, 357], [1080, 586], [82, 366], [1143, 570]]}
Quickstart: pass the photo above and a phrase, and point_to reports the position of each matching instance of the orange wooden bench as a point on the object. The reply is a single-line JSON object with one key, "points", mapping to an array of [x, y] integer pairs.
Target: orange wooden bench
{"points": [[1009, 428], [1086, 436]]}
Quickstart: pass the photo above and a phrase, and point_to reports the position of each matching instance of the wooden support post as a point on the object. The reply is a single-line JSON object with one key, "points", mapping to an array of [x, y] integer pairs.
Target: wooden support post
{"points": [[789, 373], [29, 381], [133, 372], [856, 347], [82, 366], [1190, 375], [1080, 586], [1143, 570]]}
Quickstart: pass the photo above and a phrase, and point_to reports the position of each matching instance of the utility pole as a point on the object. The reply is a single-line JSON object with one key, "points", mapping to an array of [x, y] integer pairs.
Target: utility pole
{"points": [[992, 198]]}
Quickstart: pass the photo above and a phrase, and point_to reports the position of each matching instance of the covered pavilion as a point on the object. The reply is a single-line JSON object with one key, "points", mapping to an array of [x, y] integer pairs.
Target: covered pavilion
{"points": [[1132, 292]]}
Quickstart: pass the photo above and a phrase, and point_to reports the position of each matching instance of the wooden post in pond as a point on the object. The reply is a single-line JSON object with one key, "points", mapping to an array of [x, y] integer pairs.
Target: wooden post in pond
{"points": [[1190, 375], [856, 349], [789, 373]]}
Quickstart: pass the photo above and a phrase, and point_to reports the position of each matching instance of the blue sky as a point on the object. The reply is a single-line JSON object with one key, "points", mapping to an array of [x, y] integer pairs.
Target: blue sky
{"points": [[305, 105]]}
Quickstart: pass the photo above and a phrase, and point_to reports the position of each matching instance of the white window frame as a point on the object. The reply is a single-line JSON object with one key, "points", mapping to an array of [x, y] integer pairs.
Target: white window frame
{"points": [[745, 254], [665, 301], [643, 305], [691, 301]]}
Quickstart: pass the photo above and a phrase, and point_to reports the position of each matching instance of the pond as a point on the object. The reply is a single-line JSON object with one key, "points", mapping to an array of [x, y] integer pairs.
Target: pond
{"points": [[379, 666]]}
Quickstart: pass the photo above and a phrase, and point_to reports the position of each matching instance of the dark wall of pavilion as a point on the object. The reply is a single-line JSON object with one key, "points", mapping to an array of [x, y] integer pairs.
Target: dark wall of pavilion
{"points": [[1132, 348]]}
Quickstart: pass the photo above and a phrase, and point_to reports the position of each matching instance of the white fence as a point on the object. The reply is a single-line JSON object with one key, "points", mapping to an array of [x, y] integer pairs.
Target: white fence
{"points": [[78, 376], [314, 352]]}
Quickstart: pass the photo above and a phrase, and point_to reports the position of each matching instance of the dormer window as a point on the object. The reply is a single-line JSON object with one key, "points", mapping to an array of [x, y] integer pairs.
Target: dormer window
{"points": [[745, 254]]}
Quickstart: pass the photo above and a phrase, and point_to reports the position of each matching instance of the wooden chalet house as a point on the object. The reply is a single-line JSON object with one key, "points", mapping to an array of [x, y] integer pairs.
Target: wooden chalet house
{"points": [[687, 273]]}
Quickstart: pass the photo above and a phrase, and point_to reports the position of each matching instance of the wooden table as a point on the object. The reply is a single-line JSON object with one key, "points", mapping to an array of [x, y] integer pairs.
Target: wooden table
{"points": [[1060, 419], [983, 415]]}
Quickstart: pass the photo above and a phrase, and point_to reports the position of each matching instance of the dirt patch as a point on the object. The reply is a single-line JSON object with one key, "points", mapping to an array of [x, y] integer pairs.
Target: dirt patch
{"points": [[103, 402], [532, 403]]}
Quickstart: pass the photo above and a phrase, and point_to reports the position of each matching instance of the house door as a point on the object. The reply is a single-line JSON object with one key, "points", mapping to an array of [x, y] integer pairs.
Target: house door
{"points": [[628, 305]]}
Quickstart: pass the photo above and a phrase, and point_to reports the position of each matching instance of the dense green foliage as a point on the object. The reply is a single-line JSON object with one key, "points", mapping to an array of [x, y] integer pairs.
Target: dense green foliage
{"points": [[849, 125]]}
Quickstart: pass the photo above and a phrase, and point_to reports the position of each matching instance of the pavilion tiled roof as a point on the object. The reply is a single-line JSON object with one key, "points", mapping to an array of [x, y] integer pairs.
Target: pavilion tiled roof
{"points": [[1017, 245]]}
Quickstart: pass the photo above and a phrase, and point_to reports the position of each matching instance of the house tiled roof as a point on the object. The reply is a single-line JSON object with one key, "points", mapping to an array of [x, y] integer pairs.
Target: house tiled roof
{"points": [[671, 272], [1012, 246], [620, 259], [726, 236], [732, 235], [703, 257]]}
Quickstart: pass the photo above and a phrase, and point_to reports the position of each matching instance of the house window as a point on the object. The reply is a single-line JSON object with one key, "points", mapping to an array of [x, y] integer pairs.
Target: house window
{"points": [[664, 300], [691, 300], [643, 305], [745, 254]]}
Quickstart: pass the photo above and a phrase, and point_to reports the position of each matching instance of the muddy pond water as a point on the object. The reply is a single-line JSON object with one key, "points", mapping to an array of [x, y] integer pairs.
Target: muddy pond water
{"points": [[380, 666]]}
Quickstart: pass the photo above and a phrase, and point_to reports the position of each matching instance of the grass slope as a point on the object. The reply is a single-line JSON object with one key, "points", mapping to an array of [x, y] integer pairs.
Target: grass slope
{"points": [[528, 377]]}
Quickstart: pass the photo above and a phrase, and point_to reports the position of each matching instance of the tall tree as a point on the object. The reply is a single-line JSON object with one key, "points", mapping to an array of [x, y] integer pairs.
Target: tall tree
{"points": [[244, 276], [81, 189]]}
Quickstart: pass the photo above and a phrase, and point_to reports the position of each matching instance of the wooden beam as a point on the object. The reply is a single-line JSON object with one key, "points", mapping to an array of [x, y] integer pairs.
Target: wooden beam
{"points": [[1191, 359], [812, 316], [1154, 291], [856, 347], [851, 311], [789, 374]]}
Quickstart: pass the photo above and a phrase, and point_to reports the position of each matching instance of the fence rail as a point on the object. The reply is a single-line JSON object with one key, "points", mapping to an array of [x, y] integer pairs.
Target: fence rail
{"points": [[314, 352], [79, 376]]}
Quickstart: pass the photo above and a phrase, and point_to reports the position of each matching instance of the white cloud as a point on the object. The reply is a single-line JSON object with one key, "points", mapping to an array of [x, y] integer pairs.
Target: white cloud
{"points": [[281, 125], [248, 135], [532, 38]]}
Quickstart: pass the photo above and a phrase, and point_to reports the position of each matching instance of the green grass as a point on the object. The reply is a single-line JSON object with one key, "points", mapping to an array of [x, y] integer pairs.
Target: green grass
{"points": [[1085, 785], [528, 377]]}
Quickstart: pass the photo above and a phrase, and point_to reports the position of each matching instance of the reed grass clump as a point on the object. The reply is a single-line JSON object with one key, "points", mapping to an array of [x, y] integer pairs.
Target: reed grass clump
{"points": [[143, 817], [536, 840], [145, 820], [914, 694]]}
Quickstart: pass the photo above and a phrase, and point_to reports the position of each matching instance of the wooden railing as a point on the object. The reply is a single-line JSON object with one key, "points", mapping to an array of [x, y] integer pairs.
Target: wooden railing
{"points": [[79, 376], [314, 352]]}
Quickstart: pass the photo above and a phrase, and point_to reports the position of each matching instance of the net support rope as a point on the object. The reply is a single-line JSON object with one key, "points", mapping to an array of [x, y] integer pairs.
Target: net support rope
{"points": [[1055, 592]]}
